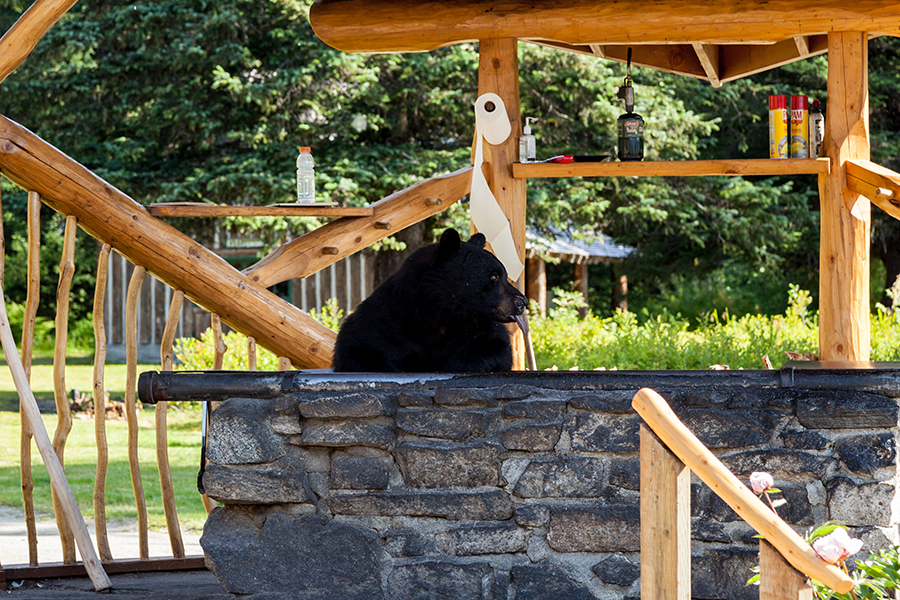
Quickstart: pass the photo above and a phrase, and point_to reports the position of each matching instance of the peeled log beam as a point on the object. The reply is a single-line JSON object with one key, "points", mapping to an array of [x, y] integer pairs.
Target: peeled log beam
{"points": [[336, 240], [174, 258], [415, 26], [22, 38], [867, 178]]}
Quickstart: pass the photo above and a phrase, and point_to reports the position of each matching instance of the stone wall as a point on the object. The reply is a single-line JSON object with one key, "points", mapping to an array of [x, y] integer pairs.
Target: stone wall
{"points": [[510, 488]]}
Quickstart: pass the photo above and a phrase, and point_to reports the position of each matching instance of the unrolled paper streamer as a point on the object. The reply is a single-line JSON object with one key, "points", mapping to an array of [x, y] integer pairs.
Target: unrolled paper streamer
{"points": [[493, 126]]}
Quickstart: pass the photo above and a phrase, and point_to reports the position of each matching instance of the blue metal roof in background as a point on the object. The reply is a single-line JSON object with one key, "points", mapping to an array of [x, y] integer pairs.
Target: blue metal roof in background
{"points": [[565, 245]]}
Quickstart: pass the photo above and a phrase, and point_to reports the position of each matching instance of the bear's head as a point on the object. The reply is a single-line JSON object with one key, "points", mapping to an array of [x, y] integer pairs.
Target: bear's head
{"points": [[474, 281]]}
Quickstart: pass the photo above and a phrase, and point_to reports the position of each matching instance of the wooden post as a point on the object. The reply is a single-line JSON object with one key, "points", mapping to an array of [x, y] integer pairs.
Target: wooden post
{"points": [[536, 282], [31, 305], [498, 72], [131, 304], [845, 215], [162, 435], [778, 580], [580, 284], [665, 522], [100, 406]]}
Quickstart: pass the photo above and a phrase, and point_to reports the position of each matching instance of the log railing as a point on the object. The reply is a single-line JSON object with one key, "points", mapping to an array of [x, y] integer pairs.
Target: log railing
{"points": [[669, 453], [240, 300]]}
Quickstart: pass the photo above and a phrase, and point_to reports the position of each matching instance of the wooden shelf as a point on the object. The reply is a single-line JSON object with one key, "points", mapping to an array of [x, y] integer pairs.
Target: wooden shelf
{"points": [[675, 168], [201, 209]]}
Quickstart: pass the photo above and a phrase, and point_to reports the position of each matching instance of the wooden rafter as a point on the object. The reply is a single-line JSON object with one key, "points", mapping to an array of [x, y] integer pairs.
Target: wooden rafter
{"points": [[416, 25], [22, 38], [877, 183], [343, 237], [741, 61], [709, 58], [670, 58]]}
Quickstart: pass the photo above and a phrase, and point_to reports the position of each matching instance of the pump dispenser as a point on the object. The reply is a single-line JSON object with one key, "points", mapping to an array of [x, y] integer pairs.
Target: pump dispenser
{"points": [[527, 143], [630, 126]]}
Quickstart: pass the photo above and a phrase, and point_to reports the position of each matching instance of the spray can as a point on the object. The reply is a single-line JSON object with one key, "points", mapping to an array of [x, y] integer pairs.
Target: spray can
{"points": [[629, 126], [778, 127], [816, 130], [799, 127], [527, 143]]}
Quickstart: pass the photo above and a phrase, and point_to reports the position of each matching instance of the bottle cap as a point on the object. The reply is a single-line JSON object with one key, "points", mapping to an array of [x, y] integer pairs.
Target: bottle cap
{"points": [[777, 101], [799, 103], [305, 149]]}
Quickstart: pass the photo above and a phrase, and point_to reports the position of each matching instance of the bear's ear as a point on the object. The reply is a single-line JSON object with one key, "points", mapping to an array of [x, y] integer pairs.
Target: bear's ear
{"points": [[449, 244], [478, 241]]}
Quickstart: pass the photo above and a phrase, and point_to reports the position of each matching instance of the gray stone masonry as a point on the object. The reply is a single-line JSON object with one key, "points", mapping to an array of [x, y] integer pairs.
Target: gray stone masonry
{"points": [[515, 491]]}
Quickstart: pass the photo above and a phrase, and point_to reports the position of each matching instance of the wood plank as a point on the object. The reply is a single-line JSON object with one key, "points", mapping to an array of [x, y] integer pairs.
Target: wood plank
{"points": [[303, 256], [22, 38], [154, 565], [802, 43], [670, 58], [867, 178], [845, 216], [709, 58], [778, 579], [202, 209], [743, 60], [665, 522], [685, 445], [112, 217], [498, 73], [675, 168], [415, 25]]}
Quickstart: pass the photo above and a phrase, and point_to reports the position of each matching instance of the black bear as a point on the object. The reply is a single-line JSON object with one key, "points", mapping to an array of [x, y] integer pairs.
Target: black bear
{"points": [[444, 310]]}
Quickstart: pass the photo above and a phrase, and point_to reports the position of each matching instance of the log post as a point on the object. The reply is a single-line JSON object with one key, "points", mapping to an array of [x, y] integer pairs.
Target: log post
{"points": [[845, 215], [665, 522], [778, 580], [536, 284], [498, 72], [31, 305], [131, 335], [580, 284], [100, 406], [162, 430]]}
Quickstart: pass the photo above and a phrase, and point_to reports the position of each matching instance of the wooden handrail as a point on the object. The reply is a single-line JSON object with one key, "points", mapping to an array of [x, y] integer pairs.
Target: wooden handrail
{"points": [[22, 38], [683, 444]]}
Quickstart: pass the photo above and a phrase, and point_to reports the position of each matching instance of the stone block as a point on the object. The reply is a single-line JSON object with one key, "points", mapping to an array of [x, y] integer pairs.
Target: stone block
{"points": [[869, 452], [489, 505], [799, 439], [860, 505], [617, 570], [719, 574], [347, 406], [614, 401], [597, 432], [728, 429], [240, 433], [482, 538], [594, 528], [466, 397], [438, 580], [625, 473], [708, 531], [438, 466], [254, 486], [311, 556], [531, 437], [545, 581], [406, 542], [375, 433], [846, 410], [515, 391], [358, 472], [572, 477], [415, 398], [443, 423], [781, 463], [537, 410], [532, 515]]}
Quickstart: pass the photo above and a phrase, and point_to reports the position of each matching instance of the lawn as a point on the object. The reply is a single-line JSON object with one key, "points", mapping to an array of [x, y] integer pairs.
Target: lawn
{"points": [[81, 451]]}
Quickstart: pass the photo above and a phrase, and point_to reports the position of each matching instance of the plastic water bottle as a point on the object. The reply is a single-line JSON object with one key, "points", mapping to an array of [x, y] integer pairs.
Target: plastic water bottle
{"points": [[306, 176]]}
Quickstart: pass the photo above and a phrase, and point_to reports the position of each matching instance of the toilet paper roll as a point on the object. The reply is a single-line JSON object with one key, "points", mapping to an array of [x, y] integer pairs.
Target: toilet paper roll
{"points": [[492, 124]]}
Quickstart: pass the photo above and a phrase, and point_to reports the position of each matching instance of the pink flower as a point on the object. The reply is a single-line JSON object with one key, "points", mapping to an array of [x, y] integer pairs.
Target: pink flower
{"points": [[761, 481], [836, 546]]}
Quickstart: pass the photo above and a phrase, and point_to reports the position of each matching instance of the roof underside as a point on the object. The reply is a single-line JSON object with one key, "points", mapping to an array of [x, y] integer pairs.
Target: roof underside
{"points": [[717, 41]]}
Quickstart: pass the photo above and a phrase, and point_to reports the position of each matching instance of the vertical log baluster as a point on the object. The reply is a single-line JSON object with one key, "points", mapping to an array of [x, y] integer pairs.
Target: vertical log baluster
{"points": [[219, 340], [100, 406], [251, 354], [63, 411], [284, 363], [31, 306], [162, 442], [131, 333]]}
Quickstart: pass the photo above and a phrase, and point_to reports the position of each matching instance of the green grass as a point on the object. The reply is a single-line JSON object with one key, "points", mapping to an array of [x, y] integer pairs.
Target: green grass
{"points": [[81, 451]]}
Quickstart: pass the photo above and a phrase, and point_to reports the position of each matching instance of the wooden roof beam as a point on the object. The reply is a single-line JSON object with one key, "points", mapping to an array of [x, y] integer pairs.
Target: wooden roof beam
{"points": [[417, 25], [740, 61], [672, 58], [709, 58], [19, 42], [879, 184]]}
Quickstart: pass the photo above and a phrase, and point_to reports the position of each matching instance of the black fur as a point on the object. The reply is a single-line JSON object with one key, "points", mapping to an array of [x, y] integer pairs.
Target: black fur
{"points": [[444, 310]]}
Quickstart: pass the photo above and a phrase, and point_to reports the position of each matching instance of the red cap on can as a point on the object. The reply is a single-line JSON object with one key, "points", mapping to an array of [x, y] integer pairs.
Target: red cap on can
{"points": [[776, 102], [799, 103]]}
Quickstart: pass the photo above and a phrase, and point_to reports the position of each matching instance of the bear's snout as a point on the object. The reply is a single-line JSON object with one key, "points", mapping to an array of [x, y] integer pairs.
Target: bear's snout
{"points": [[520, 304]]}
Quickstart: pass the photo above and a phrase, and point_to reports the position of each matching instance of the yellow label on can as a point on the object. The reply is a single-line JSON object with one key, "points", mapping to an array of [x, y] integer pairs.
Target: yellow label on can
{"points": [[778, 133], [799, 133]]}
